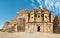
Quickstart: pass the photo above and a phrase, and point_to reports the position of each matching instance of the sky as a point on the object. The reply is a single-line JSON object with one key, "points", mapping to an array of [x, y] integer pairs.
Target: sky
{"points": [[10, 8]]}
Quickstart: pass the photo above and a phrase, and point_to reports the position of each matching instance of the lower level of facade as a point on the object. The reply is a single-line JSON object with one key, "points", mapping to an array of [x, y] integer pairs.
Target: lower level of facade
{"points": [[36, 27]]}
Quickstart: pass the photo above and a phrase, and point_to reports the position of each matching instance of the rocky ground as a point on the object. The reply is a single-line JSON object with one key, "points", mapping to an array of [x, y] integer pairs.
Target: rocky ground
{"points": [[28, 35]]}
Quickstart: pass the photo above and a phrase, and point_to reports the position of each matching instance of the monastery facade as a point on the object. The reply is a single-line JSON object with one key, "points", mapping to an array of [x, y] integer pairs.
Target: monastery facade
{"points": [[32, 21]]}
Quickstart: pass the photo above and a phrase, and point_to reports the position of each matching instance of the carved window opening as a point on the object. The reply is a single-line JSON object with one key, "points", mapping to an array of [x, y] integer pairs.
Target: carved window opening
{"points": [[45, 16], [32, 17], [14, 24], [38, 16]]}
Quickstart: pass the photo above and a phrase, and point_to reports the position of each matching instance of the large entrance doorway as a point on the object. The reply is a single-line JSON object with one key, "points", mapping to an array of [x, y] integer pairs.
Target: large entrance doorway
{"points": [[38, 28]]}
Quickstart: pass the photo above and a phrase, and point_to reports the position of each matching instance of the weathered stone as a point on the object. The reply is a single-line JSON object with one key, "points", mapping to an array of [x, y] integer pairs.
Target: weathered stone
{"points": [[33, 21]]}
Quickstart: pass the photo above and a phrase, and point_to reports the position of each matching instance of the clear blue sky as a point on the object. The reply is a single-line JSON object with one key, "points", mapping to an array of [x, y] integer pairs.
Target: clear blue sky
{"points": [[9, 8]]}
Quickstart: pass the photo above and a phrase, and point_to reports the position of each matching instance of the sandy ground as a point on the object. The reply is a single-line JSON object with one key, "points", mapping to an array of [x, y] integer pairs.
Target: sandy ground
{"points": [[28, 35]]}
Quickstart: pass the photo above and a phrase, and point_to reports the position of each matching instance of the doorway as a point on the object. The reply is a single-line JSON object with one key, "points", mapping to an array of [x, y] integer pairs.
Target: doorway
{"points": [[38, 28]]}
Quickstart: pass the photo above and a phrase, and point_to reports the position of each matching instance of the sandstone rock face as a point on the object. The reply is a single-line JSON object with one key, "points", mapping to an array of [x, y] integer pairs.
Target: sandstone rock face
{"points": [[32, 21], [56, 25], [6, 26]]}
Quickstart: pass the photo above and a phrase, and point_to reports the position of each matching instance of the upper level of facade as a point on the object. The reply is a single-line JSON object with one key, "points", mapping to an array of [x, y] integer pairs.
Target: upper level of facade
{"points": [[36, 15]]}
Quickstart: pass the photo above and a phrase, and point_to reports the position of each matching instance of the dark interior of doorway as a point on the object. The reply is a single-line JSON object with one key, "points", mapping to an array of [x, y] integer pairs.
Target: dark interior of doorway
{"points": [[38, 29]]}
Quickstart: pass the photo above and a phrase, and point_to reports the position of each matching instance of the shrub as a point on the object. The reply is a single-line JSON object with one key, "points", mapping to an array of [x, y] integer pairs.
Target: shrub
{"points": [[9, 31]]}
